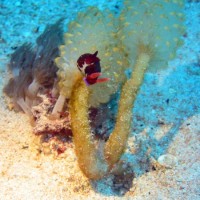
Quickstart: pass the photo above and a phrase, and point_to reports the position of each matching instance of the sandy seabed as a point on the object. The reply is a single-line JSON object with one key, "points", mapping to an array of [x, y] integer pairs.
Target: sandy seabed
{"points": [[167, 120]]}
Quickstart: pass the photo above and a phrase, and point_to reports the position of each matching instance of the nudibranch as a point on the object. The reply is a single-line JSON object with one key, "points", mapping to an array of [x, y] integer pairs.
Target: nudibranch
{"points": [[89, 65]]}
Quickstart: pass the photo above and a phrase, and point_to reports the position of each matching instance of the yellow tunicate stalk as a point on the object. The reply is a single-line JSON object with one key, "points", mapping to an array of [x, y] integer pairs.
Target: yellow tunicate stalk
{"points": [[94, 165], [91, 164], [117, 141]]}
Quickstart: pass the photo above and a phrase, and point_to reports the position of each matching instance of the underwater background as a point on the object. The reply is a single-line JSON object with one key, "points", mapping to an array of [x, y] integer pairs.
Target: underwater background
{"points": [[166, 120]]}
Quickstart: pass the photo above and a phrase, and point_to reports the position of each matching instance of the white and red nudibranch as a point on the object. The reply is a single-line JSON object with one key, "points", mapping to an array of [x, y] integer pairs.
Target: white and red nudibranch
{"points": [[89, 65]]}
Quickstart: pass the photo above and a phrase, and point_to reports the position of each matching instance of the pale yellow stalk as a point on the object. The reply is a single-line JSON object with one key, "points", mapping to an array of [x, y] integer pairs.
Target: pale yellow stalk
{"points": [[93, 165]]}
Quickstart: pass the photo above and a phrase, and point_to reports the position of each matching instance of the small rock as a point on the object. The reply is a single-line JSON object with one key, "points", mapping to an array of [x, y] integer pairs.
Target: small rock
{"points": [[168, 161]]}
